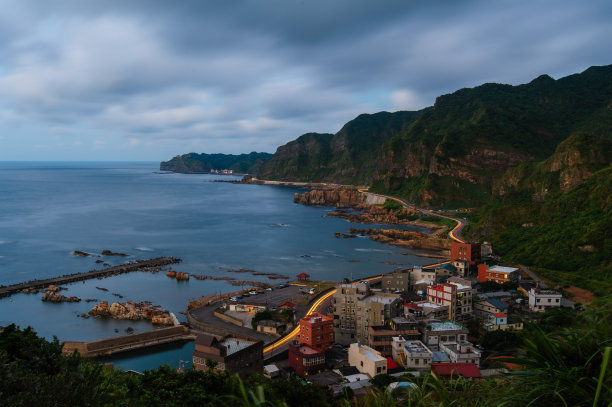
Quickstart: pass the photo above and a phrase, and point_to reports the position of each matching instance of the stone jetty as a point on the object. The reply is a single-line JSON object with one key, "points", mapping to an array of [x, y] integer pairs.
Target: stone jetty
{"points": [[137, 265]]}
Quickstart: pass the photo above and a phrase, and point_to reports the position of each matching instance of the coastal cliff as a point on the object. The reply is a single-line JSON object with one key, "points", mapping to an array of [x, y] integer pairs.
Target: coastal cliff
{"points": [[194, 163], [340, 198]]}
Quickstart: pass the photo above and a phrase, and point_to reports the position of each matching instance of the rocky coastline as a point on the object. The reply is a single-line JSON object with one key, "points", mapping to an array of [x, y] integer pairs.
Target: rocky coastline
{"points": [[134, 311]]}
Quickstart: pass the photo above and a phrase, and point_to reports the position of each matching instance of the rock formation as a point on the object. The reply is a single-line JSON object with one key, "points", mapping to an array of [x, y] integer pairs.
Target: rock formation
{"points": [[50, 296], [132, 311]]}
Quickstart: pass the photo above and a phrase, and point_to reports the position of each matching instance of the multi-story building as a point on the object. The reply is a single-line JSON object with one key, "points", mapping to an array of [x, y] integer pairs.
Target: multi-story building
{"points": [[483, 308], [542, 300], [305, 360], [456, 296], [462, 267], [461, 352], [356, 308], [436, 333], [497, 274], [399, 280], [466, 251], [345, 310], [317, 331], [233, 353], [425, 311], [367, 360], [380, 337], [411, 354]]}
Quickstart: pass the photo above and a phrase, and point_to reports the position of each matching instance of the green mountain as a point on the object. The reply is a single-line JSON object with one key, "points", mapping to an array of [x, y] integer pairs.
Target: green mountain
{"points": [[204, 163], [349, 156]]}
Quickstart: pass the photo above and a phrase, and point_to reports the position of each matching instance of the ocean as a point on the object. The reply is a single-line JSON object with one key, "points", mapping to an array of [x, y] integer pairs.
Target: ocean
{"points": [[48, 210]]}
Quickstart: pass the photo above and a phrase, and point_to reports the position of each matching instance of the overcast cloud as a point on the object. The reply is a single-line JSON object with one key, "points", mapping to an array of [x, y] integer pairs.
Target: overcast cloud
{"points": [[146, 80]]}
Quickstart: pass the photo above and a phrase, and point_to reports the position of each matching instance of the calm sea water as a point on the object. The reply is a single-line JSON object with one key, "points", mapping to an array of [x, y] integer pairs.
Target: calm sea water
{"points": [[48, 210]]}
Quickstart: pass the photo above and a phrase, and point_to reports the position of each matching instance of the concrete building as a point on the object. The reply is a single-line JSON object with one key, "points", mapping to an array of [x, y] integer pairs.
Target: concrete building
{"points": [[437, 333], [466, 251], [497, 274], [271, 327], [367, 360], [248, 306], [542, 300], [461, 352], [482, 308], [345, 309], [462, 267], [380, 337], [356, 308], [317, 331], [399, 280], [456, 296], [233, 353], [305, 360], [411, 354]]}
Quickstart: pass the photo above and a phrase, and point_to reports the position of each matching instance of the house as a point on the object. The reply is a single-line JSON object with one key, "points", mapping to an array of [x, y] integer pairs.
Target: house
{"points": [[437, 333], [483, 308], [469, 252], [461, 352], [234, 353], [411, 354], [317, 331], [380, 337], [455, 369], [497, 274], [542, 300], [271, 371], [286, 305], [271, 327], [305, 360], [367, 360]]}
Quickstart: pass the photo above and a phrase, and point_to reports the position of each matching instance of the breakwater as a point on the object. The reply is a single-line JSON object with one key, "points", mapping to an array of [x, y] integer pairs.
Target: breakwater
{"points": [[136, 265]]}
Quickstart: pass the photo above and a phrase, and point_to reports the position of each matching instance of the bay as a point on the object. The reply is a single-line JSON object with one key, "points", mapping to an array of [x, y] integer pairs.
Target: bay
{"points": [[48, 210]]}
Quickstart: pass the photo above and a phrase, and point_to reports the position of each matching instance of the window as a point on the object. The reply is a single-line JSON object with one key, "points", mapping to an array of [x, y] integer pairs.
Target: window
{"points": [[557, 300], [378, 369], [549, 300], [361, 363], [416, 361]]}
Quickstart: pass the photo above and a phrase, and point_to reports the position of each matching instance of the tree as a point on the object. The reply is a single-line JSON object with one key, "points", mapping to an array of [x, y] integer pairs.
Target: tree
{"points": [[211, 364]]}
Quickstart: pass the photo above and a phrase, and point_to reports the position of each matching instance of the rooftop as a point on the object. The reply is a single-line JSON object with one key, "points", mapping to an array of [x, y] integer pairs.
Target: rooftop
{"points": [[462, 369], [415, 347], [500, 269], [306, 350], [445, 326], [439, 356], [497, 303], [367, 352], [234, 345], [316, 318]]}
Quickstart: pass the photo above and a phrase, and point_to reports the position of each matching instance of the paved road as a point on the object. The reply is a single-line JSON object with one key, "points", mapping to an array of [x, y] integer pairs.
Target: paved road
{"points": [[534, 276]]}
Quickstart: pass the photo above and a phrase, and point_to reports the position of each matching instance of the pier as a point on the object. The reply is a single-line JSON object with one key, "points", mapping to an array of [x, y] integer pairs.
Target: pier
{"points": [[110, 346], [136, 265]]}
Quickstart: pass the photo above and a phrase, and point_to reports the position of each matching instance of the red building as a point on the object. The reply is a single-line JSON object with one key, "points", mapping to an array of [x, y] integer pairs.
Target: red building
{"points": [[317, 331], [305, 360], [466, 251], [498, 274]]}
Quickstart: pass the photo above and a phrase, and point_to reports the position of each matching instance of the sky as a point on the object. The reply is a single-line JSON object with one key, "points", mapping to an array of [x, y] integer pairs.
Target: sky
{"points": [[146, 80]]}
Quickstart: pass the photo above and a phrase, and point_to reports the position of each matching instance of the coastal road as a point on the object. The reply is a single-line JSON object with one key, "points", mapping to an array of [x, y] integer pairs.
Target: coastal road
{"points": [[455, 233], [318, 306]]}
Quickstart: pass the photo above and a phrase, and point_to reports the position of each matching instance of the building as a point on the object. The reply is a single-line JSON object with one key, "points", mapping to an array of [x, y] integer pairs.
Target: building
{"points": [[305, 360], [436, 333], [456, 296], [271, 327], [356, 308], [367, 360], [411, 354], [465, 251], [497, 274], [317, 331], [461, 352], [381, 337], [455, 369], [425, 311], [542, 300], [399, 280], [483, 308], [303, 277], [233, 353], [345, 308], [462, 267], [248, 306]]}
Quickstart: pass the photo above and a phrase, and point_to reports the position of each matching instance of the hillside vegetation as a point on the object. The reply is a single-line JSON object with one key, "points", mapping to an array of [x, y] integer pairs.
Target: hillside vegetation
{"points": [[204, 163]]}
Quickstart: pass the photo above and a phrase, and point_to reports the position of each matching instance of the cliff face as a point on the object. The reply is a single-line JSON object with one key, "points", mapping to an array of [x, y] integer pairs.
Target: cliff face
{"points": [[342, 198], [205, 163], [349, 156]]}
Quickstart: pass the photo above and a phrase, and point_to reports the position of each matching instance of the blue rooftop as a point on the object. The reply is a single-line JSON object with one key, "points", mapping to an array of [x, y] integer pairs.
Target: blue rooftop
{"points": [[497, 303]]}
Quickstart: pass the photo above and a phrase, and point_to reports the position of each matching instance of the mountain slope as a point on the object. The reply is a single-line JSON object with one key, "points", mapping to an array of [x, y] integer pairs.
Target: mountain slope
{"points": [[204, 163], [349, 156]]}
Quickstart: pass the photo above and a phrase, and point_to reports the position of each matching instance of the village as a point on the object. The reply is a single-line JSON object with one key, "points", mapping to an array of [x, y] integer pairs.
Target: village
{"points": [[431, 319]]}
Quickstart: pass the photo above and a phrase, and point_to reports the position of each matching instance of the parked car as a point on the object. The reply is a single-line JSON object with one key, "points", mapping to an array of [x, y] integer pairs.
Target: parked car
{"points": [[252, 292], [246, 295], [269, 289], [233, 298]]}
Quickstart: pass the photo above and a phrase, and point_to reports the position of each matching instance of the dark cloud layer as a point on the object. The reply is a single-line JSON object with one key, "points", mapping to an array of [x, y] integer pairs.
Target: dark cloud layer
{"points": [[149, 79]]}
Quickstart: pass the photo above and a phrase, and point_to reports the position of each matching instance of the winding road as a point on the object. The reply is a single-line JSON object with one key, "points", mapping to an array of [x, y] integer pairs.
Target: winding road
{"points": [[324, 300]]}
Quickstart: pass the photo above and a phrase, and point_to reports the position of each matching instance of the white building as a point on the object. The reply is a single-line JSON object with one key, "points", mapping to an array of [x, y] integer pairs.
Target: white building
{"points": [[411, 354], [367, 360], [542, 300], [437, 333], [461, 352]]}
